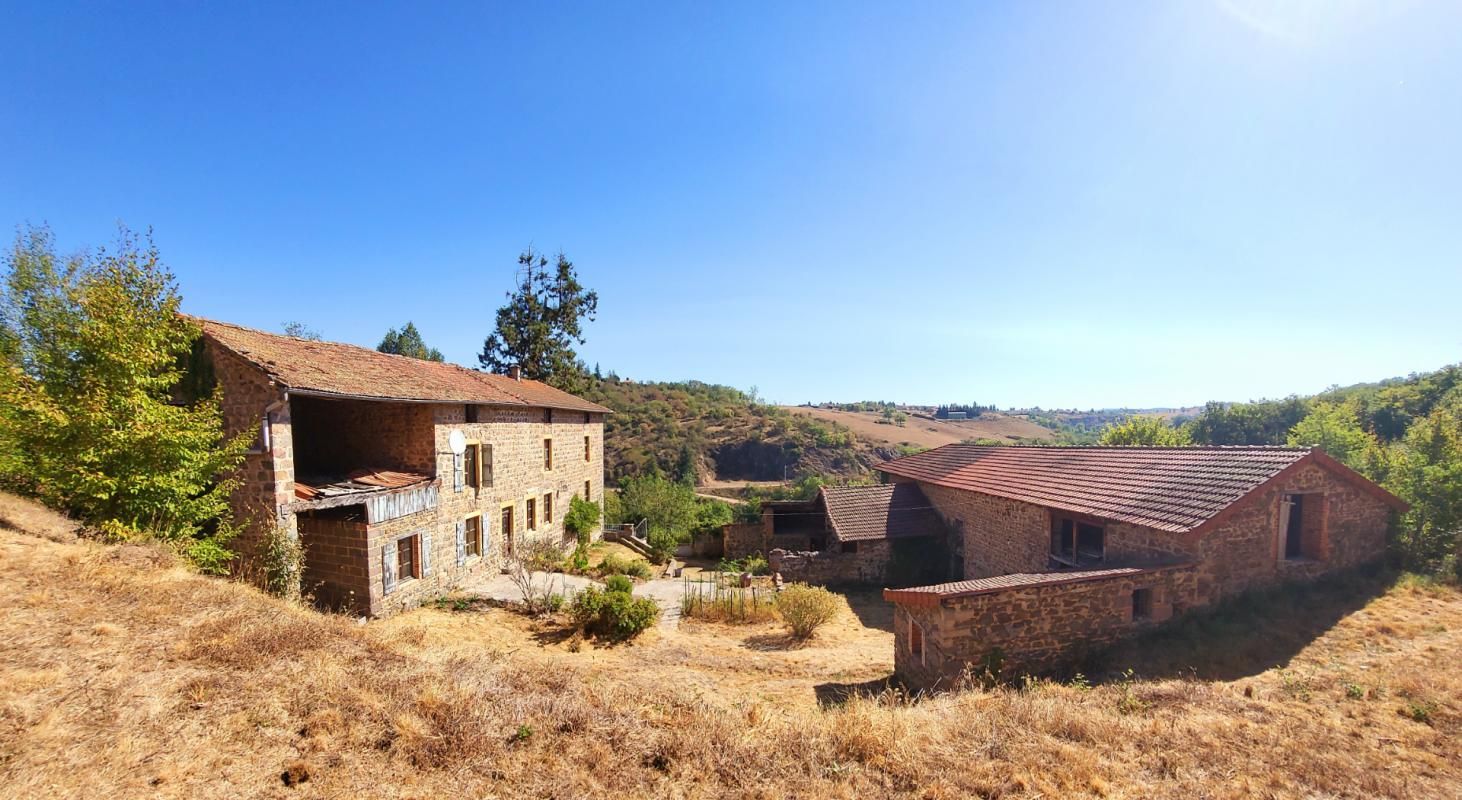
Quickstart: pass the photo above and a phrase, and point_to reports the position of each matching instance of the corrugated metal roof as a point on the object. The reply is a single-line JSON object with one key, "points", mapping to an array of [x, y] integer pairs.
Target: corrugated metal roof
{"points": [[346, 370], [931, 595]]}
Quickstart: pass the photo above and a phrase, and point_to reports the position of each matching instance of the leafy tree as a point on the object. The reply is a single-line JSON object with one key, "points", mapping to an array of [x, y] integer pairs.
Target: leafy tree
{"points": [[299, 330], [667, 505], [541, 323], [408, 342], [1148, 431], [94, 348], [1335, 428], [1427, 473], [582, 518], [1266, 422]]}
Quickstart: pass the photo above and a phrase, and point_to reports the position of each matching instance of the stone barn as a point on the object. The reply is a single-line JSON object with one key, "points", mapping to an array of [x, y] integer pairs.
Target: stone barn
{"points": [[400, 477], [1068, 548]]}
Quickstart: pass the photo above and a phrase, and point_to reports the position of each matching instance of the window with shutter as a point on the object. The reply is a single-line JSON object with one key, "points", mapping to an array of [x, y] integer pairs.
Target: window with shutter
{"points": [[457, 472], [388, 567], [461, 543], [425, 553]]}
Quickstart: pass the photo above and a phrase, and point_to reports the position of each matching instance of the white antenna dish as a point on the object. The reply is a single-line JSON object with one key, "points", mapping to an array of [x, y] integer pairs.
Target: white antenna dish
{"points": [[457, 442]]}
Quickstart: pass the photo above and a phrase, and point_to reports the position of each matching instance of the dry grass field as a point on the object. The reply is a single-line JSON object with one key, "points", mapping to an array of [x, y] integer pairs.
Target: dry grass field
{"points": [[926, 432], [125, 675]]}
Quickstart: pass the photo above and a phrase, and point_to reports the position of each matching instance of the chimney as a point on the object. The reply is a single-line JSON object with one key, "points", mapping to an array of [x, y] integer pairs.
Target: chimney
{"points": [[515, 372]]}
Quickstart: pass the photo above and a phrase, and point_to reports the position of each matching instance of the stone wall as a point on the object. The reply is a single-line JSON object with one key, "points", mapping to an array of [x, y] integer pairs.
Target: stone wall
{"points": [[740, 540], [1000, 536], [869, 564], [336, 573], [333, 437], [1030, 629], [246, 395]]}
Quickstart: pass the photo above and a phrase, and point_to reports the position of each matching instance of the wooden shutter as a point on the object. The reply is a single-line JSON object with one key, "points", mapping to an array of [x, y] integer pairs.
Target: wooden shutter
{"points": [[486, 529], [484, 458], [388, 567], [425, 553], [461, 542], [456, 472]]}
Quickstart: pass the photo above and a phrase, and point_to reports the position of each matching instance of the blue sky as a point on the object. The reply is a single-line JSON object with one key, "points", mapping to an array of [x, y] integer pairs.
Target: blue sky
{"points": [[1063, 204]]}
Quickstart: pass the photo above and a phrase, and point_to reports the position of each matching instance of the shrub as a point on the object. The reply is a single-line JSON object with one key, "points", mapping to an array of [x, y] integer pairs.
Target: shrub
{"points": [[662, 545], [282, 559], [612, 614], [619, 583], [614, 564], [806, 608], [756, 564], [581, 520]]}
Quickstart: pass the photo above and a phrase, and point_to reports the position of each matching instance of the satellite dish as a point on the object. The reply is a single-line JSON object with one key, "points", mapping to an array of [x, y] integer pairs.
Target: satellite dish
{"points": [[457, 442]]}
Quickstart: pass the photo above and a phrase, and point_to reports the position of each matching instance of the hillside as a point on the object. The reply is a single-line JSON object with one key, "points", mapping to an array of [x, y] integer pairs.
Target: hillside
{"points": [[123, 675], [925, 431], [720, 433]]}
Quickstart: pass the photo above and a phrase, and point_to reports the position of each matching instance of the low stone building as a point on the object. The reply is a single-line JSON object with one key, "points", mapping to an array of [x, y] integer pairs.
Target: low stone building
{"points": [[883, 535], [1069, 548], [400, 477]]}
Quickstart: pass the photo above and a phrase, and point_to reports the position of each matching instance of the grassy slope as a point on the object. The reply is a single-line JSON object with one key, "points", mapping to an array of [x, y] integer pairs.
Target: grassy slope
{"points": [[926, 432], [122, 675]]}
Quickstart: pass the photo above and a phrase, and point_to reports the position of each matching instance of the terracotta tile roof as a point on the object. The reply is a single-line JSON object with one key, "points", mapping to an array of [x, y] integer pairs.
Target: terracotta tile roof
{"points": [[346, 370], [1176, 489], [890, 511], [931, 595]]}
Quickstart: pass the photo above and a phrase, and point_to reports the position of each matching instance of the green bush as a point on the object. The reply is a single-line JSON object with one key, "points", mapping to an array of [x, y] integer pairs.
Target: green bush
{"points": [[662, 545], [806, 608], [613, 614], [618, 583], [582, 518], [756, 564], [614, 564]]}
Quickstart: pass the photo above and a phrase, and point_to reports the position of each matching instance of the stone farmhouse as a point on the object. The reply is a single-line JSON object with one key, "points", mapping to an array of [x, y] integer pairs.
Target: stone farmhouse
{"points": [[1068, 548], [401, 477]]}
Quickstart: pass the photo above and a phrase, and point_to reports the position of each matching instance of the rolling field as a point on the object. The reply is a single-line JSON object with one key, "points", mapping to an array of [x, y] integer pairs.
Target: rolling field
{"points": [[927, 432]]}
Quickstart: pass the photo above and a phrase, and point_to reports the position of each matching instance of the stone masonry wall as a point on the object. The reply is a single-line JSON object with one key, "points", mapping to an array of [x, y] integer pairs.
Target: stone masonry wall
{"points": [[832, 567], [516, 436], [1000, 536], [335, 436], [335, 571], [740, 540], [267, 476], [1031, 629]]}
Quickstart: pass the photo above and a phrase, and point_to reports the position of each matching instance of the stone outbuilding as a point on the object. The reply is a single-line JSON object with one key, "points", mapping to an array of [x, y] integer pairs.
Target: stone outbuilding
{"points": [[1068, 548], [400, 477]]}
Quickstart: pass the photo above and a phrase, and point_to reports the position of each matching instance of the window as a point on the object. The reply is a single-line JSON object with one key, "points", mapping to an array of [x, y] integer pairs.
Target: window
{"points": [[473, 538], [587, 486], [471, 413], [588, 450], [407, 559], [548, 415], [850, 547], [1076, 543], [548, 509], [472, 463], [530, 517], [548, 454], [916, 640], [507, 527], [1141, 603], [1302, 527]]}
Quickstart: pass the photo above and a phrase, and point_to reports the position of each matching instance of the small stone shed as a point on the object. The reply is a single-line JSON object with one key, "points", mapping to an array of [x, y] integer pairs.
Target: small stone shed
{"points": [[1068, 548], [849, 534]]}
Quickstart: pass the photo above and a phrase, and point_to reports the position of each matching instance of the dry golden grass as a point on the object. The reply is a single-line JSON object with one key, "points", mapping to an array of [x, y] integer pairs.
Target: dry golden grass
{"points": [[127, 676]]}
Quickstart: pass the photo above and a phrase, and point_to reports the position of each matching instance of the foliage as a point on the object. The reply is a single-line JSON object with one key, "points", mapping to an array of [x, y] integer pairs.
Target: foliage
{"points": [[1425, 470], [1146, 431], [613, 614], [618, 583], [408, 342], [719, 597], [666, 504], [756, 564], [806, 608], [582, 519], [1266, 422], [281, 561], [1334, 428], [94, 349], [532, 569], [541, 323], [662, 545], [300, 330], [614, 564]]}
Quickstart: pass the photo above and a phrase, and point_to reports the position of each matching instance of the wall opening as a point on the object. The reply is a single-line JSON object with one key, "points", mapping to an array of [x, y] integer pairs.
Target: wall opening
{"points": [[1142, 603], [1076, 543], [1301, 526], [916, 640]]}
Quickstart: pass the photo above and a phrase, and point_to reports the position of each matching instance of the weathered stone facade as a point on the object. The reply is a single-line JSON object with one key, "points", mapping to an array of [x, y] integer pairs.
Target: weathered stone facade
{"points": [[868, 563], [1041, 627], [344, 552], [1029, 629]]}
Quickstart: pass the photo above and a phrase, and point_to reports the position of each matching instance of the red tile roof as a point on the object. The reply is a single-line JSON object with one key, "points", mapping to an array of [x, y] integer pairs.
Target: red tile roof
{"points": [[931, 595], [346, 370], [890, 511], [1176, 489]]}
